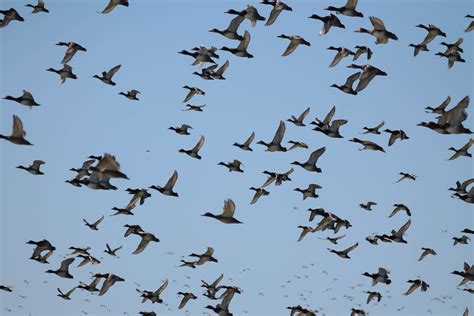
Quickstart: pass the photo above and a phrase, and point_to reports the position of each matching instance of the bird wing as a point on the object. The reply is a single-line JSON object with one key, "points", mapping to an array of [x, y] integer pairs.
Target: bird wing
{"points": [[98, 221], [217, 281], [223, 68], [86, 164], [351, 79], [313, 187], [256, 196], [351, 4], [112, 71], [380, 125], [17, 130], [190, 94], [377, 23], [466, 183], [199, 144], [288, 172], [412, 288], [27, 95], [250, 139], [235, 23], [161, 288], [273, 15], [456, 115], [66, 263], [468, 144], [303, 115], [109, 281], [244, 43], [171, 182], [404, 228], [183, 301], [329, 116], [340, 54], [393, 138], [268, 181], [291, 48], [142, 245], [279, 133], [36, 164], [336, 124], [347, 250], [313, 158], [112, 4], [229, 208]]}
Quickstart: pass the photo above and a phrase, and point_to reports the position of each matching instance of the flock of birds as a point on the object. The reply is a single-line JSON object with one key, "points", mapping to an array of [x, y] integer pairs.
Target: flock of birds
{"points": [[98, 171]]}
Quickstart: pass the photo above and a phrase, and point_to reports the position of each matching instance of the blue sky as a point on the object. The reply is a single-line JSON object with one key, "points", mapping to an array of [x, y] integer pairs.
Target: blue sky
{"points": [[84, 117]]}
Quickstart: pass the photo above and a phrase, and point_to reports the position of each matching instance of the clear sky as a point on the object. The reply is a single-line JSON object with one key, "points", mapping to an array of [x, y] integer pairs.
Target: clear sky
{"points": [[85, 116]]}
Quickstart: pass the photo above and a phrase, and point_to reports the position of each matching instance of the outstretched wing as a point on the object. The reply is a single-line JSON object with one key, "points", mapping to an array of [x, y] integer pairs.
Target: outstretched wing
{"points": [[244, 43], [377, 23], [17, 130], [313, 158], [171, 182], [229, 208], [250, 139], [112, 71], [279, 133], [199, 144]]}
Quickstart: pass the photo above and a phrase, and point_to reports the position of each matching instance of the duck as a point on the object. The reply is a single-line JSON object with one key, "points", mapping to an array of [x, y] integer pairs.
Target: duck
{"points": [[18, 133], [168, 188], [80, 250], [232, 166], [42, 245], [298, 121], [186, 297], [332, 129], [310, 191], [397, 236], [92, 287], [394, 135], [109, 166], [213, 288], [110, 251], [450, 122], [66, 296], [373, 130], [39, 7], [194, 152], [107, 76], [296, 144], [258, 193], [452, 58], [87, 259], [94, 225], [132, 229], [131, 95], [417, 48], [344, 253], [278, 178], [380, 277], [333, 240], [362, 50], [227, 216], [196, 108], [426, 251], [342, 52], [26, 99], [63, 271], [398, 208], [295, 41], [467, 231], [246, 145], [405, 175], [249, 13], [205, 257], [433, 31], [440, 109], [462, 187], [154, 297], [146, 238], [181, 130], [231, 31], [418, 283], [328, 21], [127, 210], [138, 195], [373, 295], [72, 49], [368, 206], [241, 49], [192, 91], [206, 73], [467, 274], [369, 73], [304, 232], [34, 168], [9, 16], [200, 54], [471, 25], [463, 240], [278, 7], [64, 73], [368, 145], [347, 86], [357, 312], [379, 31], [453, 47], [190, 264], [112, 4], [463, 151], [349, 9], [110, 279], [310, 164], [275, 144], [83, 171]]}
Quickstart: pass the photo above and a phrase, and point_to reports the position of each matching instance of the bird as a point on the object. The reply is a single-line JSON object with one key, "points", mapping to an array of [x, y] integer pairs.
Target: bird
{"points": [[349, 9], [191, 264], [327, 127], [112, 4], [357, 312], [440, 109], [241, 49], [132, 229], [463, 151], [219, 73], [131, 95], [232, 166], [146, 238], [246, 145], [462, 187], [397, 236], [367, 144], [106, 76], [213, 288], [362, 50], [26, 99], [310, 164], [66, 295], [186, 297], [168, 188], [110, 251], [369, 72], [452, 56], [398, 208], [80, 250], [110, 279], [154, 297], [453, 47], [138, 195], [181, 130], [201, 55], [63, 270], [417, 48], [92, 287], [368, 206], [333, 240], [194, 152], [18, 133], [373, 130], [394, 135], [309, 192], [304, 232], [463, 240], [108, 166], [249, 13], [347, 86], [373, 295], [258, 193], [405, 175], [205, 257], [231, 31], [42, 245], [94, 225], [342, 52], [418, 283], [64, 73], [206, 73], [196, 108], [450, 122], [328, 21], [278, 7], [298, 121], [39, 7], [275, 144], [87, 259], [379, 31], [6, 288], [34, 168], [426, 251], [380, 277], [72, 49], [9, 16], [227, 216], [433, 31], [295, 41], [192, 91], [295, 144], [344, 253]]}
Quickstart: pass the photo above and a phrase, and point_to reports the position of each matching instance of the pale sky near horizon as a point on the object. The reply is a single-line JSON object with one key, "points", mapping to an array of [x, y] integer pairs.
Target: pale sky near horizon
{"points": [[86, 117]]}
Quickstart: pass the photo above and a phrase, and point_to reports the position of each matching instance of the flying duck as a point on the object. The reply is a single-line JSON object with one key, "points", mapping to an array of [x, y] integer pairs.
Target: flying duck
{"points": [[258, 193], [80, 250], [138, 195], [440, 109], [380, 277], [87, 259], [241, 50], [206, 73], [92, 287], [186, 297], [213, 288], [132, 229], [42, 245], [249, 13], [463, 151], [146, 238], [26, 99], [6, 288], [349, 9], [310, 191], [450, 122], [194, 152], [63, 271], [398, 208], [94, 225], [278, 178], [231, 31], [418, 283], [278, 7], [109, 166], [330, 129], [462, 187], [328, 21], [246, 144], [275, 144], [295, 144], [357, 312], [205, 257], [397, 134], [341, 53], [426, 251], [468, 197], [190, 264], [367, 144], [368, 206], [295, 41], [310, 165], [66, 295], [369, 73], [110, 251], [362, 50], [192, 91], [373, 130], [333, 240], [154, 297], [64, 73], [344, 253], [168, 188], [131, 95], [373, 295], [39, 7], [197, 108], [110, 279], [397, 236], [34, 168], [107, 75], [347, 86], [433, 31], [201, 55], [405, 175], [467, 274], [304, 232], [18, 134], [232, 166], [452, 58], [379, 31], [219, 73], [10, 15], [298, 121], [72, 49], [112, 4], [227, 216], [417, 48], [453, 47]]}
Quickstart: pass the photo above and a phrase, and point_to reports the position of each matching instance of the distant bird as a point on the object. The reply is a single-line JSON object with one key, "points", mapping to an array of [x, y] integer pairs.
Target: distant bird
{"points": [[42, 245], [426, 251], [231, 31], [380, 277], [304, 232], [278, 178], [470, 27], [368, 205], [344, 253], [232, 166], [362, 50], [186, 297], [39, 7], [131, 95], [132, 229], [26, 99], [418, 283], [275, 144], [192, 91], [453, 47], [112, 4], [452, 57], [379, 31], [258, 193], [72, 49], [398, 208], [154, 297], [241, 49], [405, 175], [327, 127], [462, 187], [191, 264], [295, 144], [6, 288], [106, 76], [34, 168], [298, 121], [295, 41], [373, 295], [206, 73], [373, 130], [110, 279], [357, 312], [333, 240], [66, 295], [87, 259], [249, 13], [368, 145], [64, 73], [341, 53], [196, 108], [108, 166], [329, 21], [92, 287], [467, 231], [139, 195], [80, 250], [110, 251], [347, 86], [467, 274], [310, 165], [10, 15], [440, 109], [278, 7], [463, 151], [463, 240], [417, 48], [369, 72], [213, 288], [63, 271], [349, 9], [394, 135], [168, 188], [194, 152], [246, 144], [94, 225], [227, 216], [146, 238], [205, 257], [310, 191], [201, 55], [18, 134], [433, 31]]}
